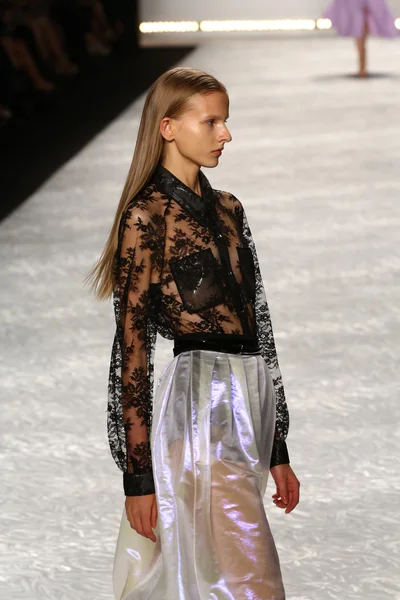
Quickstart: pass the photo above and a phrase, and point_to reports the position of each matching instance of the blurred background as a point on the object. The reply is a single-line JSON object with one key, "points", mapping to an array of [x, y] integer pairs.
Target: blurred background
{"points": [[314, 160], [67, 67]]}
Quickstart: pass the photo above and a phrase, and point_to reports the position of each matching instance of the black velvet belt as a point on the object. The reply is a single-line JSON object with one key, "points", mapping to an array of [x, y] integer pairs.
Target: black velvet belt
{"points": [[230, 343]]}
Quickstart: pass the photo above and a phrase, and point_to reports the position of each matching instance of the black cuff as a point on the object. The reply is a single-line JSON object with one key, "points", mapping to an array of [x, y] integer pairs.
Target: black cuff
{"points": [[280, 455], [138, 485]]}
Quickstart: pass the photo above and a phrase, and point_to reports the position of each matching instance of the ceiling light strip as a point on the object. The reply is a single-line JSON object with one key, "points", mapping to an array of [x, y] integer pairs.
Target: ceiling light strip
{"points": [[244, 26], [268, 25], [231, 26], [169, 27]]}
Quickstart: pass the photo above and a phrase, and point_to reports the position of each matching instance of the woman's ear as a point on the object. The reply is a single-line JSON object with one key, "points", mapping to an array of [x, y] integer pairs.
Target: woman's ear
{"points": [[166, 129]]}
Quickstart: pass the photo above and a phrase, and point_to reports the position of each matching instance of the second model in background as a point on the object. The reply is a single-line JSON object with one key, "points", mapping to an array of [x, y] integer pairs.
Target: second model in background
{"points": [[358, 19]]}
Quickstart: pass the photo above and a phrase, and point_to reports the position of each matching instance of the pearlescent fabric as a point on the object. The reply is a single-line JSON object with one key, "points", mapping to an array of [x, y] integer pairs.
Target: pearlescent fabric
{"points": [[212, 435]]}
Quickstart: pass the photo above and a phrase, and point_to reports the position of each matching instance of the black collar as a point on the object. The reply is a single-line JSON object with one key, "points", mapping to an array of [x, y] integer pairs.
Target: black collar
{"points": [[194, 204]]}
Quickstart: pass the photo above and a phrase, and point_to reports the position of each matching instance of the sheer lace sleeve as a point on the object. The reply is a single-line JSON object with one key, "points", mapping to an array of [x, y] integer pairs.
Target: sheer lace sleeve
{"points": [[132, 360], [267, 343]]}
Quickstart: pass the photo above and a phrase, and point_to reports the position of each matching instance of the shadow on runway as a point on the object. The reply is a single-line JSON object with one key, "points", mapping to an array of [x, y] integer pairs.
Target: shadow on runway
{"points": [[354, 76]]}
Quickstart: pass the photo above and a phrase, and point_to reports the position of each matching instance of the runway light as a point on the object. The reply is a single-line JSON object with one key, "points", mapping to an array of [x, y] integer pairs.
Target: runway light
{"points": [[268, 25], [250, 25], [324, 24], [168, 26]]}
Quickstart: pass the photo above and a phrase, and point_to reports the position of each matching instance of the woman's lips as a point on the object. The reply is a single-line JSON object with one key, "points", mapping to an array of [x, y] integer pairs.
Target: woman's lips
{"points": [[219, 152]]}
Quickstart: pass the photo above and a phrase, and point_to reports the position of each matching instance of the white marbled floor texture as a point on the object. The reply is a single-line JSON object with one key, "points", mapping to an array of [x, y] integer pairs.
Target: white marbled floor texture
{"points": [[315, 160]]}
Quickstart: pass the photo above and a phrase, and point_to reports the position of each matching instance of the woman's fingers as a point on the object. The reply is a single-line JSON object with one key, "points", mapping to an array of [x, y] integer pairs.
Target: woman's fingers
{"points": [[279, 503], [146, 528], [154, 514], [139, 525], [278, 500], [149, 533], [294, 492], [142, 524], [292, 503], [287, 489], [133, 519]]}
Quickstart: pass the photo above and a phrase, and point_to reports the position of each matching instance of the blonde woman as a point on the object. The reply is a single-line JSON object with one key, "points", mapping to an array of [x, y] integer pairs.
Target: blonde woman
{"points": [[180, 260], [358, 19]]}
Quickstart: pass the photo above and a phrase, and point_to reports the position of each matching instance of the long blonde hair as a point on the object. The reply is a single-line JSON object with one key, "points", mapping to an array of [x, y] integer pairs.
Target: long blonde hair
{"points": [[169, 96]]}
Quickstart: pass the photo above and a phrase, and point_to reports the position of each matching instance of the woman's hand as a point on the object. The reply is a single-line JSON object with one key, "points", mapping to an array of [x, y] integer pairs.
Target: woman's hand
{"points": [[287, 487], [141, 512]]}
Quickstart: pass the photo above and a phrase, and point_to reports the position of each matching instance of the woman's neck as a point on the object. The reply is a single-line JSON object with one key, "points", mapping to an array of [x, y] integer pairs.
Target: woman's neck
{"points": [[187, 172]]}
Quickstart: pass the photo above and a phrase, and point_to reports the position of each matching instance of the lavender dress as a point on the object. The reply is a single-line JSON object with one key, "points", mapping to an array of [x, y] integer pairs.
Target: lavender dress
{"points": [[348, 17]]}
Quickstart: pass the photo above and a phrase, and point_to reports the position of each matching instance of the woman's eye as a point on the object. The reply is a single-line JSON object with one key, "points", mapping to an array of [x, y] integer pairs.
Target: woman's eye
{"points": [[210, 122]]}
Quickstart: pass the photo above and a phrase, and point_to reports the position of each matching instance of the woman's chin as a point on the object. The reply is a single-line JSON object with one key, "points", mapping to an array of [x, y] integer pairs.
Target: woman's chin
{"points": [[211, 162]]}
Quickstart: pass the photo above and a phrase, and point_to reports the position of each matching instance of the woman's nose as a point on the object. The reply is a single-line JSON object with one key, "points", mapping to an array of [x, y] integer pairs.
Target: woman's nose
{"points": [[225, 134]]}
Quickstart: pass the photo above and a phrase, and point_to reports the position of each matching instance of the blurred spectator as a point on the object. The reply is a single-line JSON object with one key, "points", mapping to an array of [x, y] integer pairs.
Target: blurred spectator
{"points": [[99, 27], [86, 26], [5, 115], [34, 14], [114, 9], [40, 39], [16, 49]]}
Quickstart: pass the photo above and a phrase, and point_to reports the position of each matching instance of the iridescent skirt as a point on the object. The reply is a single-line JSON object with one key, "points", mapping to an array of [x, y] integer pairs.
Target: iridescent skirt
{"points": [[212, 434]]}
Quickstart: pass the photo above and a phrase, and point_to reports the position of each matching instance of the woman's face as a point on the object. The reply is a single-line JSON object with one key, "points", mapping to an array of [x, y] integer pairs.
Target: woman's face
{"points": [[200, 133]]}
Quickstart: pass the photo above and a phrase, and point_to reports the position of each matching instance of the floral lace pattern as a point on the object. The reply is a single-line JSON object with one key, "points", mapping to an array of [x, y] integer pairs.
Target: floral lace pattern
{"points": [[184, 264]]}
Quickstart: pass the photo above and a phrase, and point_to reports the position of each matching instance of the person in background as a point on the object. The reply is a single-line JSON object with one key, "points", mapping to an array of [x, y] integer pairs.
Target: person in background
{"points": [[5, 115], [358, 19], [34, 15], [115, 10], [17, 51], [75, 18], [101, 34]]}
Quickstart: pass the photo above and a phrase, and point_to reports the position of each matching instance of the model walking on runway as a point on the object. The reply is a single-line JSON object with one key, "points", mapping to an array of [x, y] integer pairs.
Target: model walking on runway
{"points": [[358, 19], [180, 260]]}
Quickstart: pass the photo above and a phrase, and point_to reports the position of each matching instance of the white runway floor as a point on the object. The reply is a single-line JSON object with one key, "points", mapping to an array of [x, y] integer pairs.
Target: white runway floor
{"points": [[315, 159]]}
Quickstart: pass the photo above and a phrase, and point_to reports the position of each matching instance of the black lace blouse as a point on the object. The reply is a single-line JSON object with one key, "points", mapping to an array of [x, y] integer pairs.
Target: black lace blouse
{"points": [[185, 264]]}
